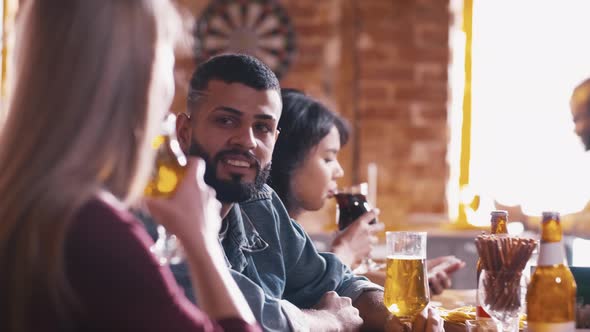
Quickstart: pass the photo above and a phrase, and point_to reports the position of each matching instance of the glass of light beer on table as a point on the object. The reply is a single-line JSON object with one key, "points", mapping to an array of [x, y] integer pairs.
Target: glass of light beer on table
{"points": [[406, 282]]}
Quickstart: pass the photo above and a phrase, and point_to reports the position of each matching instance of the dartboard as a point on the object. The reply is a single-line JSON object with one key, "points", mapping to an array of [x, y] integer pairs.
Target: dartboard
{"points": [[257, 27]]}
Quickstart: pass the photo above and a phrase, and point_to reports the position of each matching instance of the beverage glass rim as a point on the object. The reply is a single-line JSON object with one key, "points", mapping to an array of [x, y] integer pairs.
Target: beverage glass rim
{"points": [[415, 252], [406, 232], [361, 188]]}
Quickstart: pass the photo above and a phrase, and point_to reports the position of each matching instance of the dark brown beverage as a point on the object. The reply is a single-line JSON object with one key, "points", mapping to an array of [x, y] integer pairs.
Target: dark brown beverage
{"points": [[350, 207]]}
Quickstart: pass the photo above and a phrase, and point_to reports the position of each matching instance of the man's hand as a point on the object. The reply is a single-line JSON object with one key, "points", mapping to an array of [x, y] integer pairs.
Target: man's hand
{"points": [[515, 212], [427, 321], [334, 313], [440, 270]]}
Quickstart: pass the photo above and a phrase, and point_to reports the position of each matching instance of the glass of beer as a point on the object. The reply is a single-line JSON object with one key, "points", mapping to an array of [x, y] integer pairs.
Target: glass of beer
{"points": [[406, 282], [352, 203], [168, 171]]}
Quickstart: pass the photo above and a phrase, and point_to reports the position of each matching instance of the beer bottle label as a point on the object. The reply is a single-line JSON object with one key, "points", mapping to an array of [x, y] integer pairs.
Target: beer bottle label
{"points": [[552, 253], [551, 327]]}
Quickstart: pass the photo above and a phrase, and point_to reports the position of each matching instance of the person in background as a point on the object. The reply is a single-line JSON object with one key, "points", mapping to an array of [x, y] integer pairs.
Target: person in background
{"points": [[93, 83], [233, 109], [577, 223], [304, 173]]}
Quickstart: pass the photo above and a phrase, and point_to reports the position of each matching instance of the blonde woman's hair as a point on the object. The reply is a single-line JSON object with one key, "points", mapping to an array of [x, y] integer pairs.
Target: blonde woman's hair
{"points": [[78, 122]]}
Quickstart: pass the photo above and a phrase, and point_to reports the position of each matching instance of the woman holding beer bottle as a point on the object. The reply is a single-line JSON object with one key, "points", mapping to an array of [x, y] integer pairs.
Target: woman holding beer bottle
{"points": [[93, 81], [304, 173]]}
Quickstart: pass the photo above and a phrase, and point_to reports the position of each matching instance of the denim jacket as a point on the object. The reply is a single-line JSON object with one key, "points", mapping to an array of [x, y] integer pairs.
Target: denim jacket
{"points": [[276, 265]]}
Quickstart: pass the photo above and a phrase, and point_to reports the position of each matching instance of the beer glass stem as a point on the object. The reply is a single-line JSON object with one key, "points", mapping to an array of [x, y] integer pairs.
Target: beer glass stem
{"points": [[167, 248], [511, 324]]}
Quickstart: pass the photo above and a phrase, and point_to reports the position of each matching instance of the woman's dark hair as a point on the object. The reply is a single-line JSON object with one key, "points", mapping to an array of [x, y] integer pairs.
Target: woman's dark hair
{"points": [[303, 124]]}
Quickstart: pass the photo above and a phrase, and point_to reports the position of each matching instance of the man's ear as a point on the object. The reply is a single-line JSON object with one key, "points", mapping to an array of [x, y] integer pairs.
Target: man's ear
{"points": [[184, 131]]}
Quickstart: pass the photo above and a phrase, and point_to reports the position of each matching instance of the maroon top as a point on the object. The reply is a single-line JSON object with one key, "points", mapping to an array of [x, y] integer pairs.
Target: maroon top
{"points": [[119, 284]]}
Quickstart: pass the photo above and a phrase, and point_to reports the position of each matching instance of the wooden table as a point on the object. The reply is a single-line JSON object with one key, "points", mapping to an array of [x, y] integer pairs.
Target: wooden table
{"points": [[454, 298], [449, 299]]}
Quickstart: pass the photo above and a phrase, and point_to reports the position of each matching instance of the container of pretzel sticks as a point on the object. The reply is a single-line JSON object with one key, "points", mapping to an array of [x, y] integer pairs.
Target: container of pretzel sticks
{"points": [[502, 286]]}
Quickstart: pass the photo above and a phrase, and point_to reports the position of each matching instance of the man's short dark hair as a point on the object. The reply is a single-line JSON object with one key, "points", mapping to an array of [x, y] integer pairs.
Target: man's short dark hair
{"points": [[232, 68], [581, 94]]}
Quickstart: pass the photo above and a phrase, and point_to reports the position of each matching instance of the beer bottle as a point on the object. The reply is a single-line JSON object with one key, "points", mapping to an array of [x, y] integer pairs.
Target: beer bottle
{"points": [[498, 222], [551, 295]]}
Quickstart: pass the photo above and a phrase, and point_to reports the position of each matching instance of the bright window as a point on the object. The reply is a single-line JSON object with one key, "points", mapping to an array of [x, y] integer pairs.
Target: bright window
{"points": [[2, 108], [580, 249], [527, 57]]}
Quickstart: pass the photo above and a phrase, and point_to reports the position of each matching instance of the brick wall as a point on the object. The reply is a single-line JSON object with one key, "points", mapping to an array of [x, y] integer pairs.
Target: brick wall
{"points": [[383, 65], [402, 115]]}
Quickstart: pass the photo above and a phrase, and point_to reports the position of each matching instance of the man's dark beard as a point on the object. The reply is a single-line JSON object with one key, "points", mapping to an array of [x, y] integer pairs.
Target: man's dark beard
{"points": [[234, 190]]}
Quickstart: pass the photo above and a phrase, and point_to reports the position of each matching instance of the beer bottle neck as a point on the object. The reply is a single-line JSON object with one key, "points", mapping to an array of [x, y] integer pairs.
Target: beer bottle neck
{"points": [[499, 226], [552, 251], [551, 231]]}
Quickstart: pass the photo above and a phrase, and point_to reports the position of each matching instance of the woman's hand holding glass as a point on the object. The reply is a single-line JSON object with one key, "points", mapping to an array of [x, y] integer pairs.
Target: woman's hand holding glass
{"points": [[353, 206], [355, 243], [192, 213], [169, 173]]}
